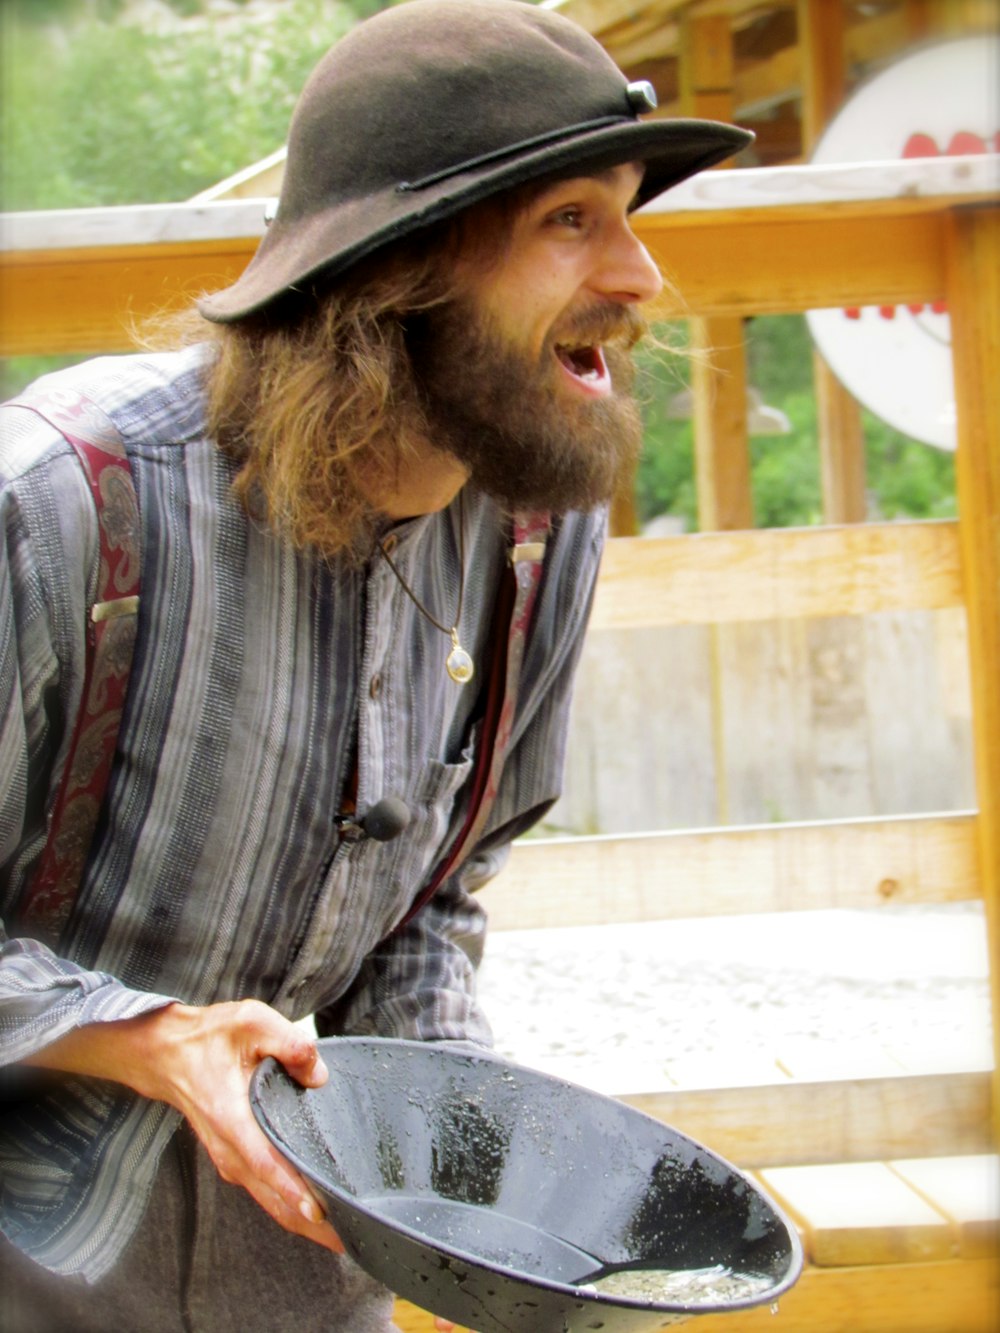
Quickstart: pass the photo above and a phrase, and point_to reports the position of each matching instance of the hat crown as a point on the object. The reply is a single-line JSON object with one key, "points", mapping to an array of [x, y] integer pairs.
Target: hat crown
{"points": [[435, 105], [424, 87]]}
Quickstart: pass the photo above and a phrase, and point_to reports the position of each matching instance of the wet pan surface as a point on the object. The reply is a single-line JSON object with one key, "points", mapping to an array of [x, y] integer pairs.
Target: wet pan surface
{"points": [[494, 1195]]}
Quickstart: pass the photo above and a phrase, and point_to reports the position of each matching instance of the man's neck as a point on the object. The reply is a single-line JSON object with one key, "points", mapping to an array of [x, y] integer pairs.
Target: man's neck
{"points": [[427, 480]]}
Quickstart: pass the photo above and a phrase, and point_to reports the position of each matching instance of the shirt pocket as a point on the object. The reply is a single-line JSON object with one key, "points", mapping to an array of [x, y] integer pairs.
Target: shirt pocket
{"points": [[438, 797]]}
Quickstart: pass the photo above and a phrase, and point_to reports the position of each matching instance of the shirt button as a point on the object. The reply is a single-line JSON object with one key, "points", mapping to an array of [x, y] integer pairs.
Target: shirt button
{"points": [[375, 685], [389, 544]]}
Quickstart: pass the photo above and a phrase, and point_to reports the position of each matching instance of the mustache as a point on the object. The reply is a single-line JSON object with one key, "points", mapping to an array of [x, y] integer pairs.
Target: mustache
{"points": [[609, 322]]}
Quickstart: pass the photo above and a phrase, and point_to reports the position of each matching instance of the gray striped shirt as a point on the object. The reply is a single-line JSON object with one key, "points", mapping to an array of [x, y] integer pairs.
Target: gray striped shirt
{"points": [[217, 872]]}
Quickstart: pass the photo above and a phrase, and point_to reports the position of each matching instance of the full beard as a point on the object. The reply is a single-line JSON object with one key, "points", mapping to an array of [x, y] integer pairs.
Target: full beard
{"points": [[526, 442]]}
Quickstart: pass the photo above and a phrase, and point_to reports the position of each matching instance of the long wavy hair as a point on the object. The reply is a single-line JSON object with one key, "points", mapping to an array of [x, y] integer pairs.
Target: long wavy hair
{"points": [[315, 398]]}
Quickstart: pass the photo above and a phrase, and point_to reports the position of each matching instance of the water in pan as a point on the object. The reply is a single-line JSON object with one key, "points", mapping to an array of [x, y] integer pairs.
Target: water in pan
{"points": [[686, 1286]]}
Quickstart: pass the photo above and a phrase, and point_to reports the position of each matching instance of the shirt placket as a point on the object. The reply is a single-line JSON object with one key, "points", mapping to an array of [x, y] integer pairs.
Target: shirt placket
{"points": [[347, 899]]}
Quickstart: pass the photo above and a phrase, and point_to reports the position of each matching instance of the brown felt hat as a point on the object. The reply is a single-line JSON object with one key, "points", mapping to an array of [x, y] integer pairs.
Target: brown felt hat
{"points": [[434, 105]]}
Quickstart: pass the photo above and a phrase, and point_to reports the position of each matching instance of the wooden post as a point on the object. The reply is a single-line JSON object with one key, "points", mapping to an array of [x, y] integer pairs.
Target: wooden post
{"points": [[719, 379], [706, 66], [841, 439], [974, 304], [841, 448], [722, 456], [719, 371]]}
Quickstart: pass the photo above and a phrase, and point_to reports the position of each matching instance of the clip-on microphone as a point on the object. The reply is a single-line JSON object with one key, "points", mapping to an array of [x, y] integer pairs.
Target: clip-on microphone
{"points": [[385, 820]]}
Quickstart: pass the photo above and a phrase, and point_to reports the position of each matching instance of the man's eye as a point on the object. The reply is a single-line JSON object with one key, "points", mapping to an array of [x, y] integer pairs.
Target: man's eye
{"points": [[567, 217]]}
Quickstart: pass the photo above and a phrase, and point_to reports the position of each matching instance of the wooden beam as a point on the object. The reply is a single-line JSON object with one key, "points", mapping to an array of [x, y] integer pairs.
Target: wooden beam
{"points": [[778, 265], [706, 66], [656, 42], [709, 578], [765, 84], [822, 31], [84, 300], [719, 367], [78, 301], [841, 448], [898, 188], [722, 451], [719, 872], [974, 303], [845, 1120], [823, 55]]}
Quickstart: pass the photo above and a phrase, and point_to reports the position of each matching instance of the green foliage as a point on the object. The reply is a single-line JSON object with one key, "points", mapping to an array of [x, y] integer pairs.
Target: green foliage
{"points": [[17, 372], [785, 469], [100, 113], [906, 478]]}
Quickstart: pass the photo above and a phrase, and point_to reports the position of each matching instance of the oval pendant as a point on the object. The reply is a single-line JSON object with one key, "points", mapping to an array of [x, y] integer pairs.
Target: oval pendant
{"points": [[459, 664]]}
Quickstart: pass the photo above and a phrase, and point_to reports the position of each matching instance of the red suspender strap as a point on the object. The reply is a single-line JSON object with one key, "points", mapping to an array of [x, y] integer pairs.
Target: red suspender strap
{"points": [[512, 620], [110, 634]]}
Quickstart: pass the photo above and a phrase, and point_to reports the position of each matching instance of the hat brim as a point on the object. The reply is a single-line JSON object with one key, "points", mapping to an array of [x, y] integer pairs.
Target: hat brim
{"points": [[295, 254]]}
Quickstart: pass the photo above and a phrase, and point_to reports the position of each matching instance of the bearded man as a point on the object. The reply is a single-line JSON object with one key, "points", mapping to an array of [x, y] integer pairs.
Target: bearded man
{"points": [[370, 517]]}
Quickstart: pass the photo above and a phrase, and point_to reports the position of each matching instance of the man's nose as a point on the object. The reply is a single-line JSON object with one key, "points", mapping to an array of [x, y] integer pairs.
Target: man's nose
{"points": [[627, 271]]}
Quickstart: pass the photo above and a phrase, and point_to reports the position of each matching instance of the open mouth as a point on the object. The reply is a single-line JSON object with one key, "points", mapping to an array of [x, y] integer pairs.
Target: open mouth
{"points": [[586, 363]]}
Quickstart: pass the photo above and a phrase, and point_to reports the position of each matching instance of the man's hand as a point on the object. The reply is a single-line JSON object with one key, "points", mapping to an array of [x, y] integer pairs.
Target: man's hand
{"points": [[200, 1061]]}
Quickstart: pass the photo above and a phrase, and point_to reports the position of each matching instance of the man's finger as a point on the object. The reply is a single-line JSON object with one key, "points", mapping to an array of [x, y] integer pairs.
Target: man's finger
{"points": [[313, 1227]]}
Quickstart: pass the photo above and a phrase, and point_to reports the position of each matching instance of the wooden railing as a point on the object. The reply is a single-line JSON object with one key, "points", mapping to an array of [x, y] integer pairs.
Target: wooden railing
{"points": [[908, 1251]]}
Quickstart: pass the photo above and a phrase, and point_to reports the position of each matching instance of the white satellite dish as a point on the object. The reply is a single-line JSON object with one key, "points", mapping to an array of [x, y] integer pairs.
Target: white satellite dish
{"points": [[943, 99]]}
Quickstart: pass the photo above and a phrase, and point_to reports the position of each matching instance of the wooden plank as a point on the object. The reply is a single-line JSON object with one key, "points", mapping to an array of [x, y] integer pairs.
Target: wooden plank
{"points": [[719, 366], [898, 188], [722, 449], [706, 64], [719, 872], [636, 48], [822, 28], [842, 448], [947, 1296], [974, 302], [717, 578], [66, 302], [78, 234], [860, 1213], [966, 1190], [59, 303], [785, 264], [793, 1123]]}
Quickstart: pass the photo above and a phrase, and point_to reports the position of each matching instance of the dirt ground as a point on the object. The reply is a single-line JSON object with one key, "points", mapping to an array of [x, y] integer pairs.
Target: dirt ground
{"points": [[740, 1000]]}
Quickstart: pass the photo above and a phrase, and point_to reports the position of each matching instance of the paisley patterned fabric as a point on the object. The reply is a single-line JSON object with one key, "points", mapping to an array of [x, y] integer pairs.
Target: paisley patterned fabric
{"points": [[111, 634]]}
